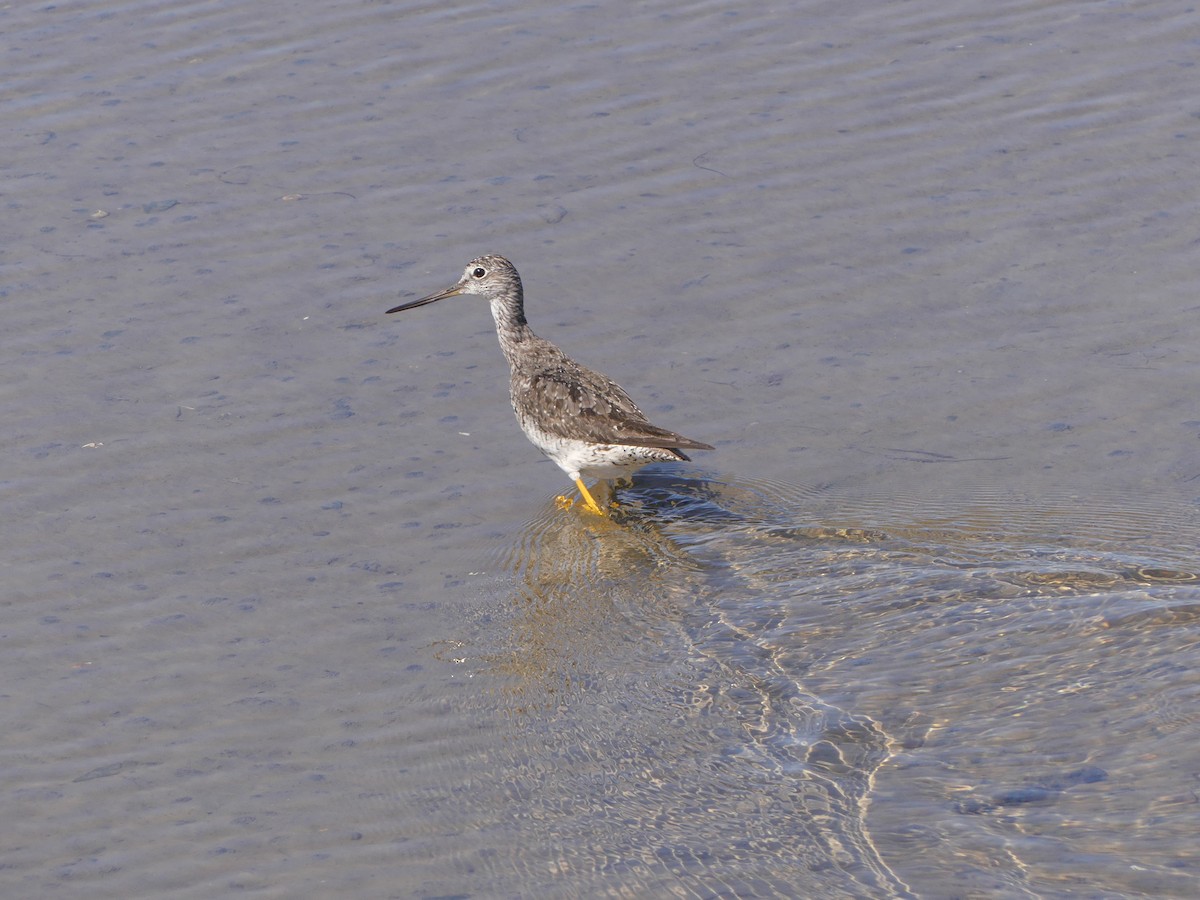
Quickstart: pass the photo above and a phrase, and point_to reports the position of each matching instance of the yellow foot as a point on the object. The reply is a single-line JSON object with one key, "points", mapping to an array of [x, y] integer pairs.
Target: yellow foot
{"points": [[564, 502], [588, 502]]}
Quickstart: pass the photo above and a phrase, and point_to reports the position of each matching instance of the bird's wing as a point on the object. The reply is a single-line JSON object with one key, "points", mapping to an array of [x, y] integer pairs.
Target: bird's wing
{"points": [[575, 402]]}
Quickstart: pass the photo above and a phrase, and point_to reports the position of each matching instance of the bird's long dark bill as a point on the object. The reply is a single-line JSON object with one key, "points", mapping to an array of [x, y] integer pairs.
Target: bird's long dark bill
{"points": [[432, 298]]}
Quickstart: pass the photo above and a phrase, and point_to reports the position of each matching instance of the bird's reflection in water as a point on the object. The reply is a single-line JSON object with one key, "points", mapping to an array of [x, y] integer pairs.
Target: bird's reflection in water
{"points": [[587, 585], [584, 584]]}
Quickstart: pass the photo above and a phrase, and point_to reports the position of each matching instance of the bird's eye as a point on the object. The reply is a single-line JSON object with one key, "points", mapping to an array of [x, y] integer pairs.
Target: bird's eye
{"points": [[479, 272]]}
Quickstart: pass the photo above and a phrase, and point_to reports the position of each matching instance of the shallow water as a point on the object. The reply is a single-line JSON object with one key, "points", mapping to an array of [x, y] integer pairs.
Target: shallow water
{"points": [[289, 608], [766, 689]]}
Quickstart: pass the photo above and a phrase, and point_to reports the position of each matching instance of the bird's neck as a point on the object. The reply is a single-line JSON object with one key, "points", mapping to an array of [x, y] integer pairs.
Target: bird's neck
{"points": [[511, 327]]}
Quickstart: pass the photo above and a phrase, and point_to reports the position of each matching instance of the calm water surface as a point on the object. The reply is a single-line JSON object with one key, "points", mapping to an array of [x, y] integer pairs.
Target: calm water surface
{"points": [[289, 608]]}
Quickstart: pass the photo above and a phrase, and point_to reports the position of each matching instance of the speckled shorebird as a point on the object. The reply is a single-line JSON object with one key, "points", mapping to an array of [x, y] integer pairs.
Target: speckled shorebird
{"points": [[582, 420]]}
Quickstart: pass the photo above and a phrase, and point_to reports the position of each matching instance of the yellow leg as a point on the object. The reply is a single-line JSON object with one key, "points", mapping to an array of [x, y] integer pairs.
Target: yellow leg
{"points": [[587, 497]]}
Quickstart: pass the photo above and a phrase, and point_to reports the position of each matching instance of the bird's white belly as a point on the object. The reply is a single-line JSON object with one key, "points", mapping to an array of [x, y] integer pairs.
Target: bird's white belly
{"points": [[582, 458]]}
